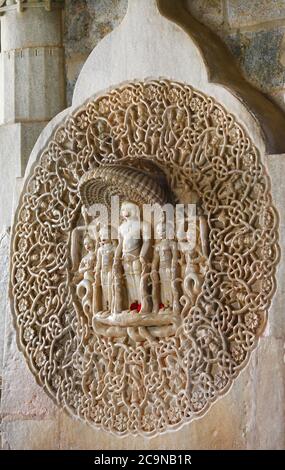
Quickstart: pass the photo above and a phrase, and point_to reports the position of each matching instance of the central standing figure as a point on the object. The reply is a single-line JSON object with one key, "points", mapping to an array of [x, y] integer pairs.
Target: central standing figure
{"points": [[127, 284], [134, 251]]}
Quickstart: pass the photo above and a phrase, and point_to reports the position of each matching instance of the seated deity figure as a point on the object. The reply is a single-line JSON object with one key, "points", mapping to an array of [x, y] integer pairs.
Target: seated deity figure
{"points": [[134, 252], [104, 268], [86, 270], [165, 288]]}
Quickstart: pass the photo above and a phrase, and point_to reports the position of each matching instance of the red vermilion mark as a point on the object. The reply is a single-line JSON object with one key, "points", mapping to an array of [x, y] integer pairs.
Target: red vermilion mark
{"points": [[136, 306]]}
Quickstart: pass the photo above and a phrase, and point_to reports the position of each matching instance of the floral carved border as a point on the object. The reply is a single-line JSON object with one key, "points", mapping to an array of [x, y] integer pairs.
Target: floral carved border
{"points": [[146, 388]]}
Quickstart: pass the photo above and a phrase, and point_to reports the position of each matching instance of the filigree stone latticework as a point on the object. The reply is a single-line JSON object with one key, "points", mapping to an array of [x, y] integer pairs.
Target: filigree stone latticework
{"points": [[146, 387]]}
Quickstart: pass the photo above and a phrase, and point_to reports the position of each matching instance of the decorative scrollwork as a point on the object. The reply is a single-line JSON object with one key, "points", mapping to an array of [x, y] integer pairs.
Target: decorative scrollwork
{"points": [[126, 385]]}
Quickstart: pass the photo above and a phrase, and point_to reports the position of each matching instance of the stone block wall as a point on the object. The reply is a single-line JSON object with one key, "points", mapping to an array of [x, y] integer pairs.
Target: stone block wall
{"points": [[254, 31], [86, 22]]}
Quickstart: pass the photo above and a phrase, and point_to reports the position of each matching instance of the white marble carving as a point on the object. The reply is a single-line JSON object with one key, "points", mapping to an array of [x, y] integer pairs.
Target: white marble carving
{"points": [[144, 343]]}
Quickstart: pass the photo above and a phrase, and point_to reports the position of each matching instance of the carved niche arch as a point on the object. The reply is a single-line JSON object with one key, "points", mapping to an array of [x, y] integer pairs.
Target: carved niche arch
{"points": [[155, 383]]}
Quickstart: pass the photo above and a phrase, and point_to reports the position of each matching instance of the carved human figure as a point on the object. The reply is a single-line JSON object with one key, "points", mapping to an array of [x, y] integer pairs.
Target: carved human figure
{"points": [[165, 290], [136, 123], [122, 140], [141, 122], [203, 232], [86, 270], [177, 122], [104, 268], [119, 301], [91, 227], [191, 260], [134, 251], [103, 140]]}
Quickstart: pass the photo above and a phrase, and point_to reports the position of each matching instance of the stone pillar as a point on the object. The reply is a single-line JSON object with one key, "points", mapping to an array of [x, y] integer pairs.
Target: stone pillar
{"points": [[32, 84], [32, 62], [32, 91]]}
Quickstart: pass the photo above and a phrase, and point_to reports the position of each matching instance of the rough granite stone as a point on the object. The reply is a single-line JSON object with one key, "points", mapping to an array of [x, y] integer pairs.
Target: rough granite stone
{"points": [[210, 12], [244, 12], [278, 97], [258, 54], [86, 23]]}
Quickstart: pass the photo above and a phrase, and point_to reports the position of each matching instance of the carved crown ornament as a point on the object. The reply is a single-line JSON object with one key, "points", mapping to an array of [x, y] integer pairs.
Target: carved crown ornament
{"points": [[138, 335], [22, 5]]}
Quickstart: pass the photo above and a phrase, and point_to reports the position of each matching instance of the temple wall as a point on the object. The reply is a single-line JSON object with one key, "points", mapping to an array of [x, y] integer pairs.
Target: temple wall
{"points": [[252, 414]]}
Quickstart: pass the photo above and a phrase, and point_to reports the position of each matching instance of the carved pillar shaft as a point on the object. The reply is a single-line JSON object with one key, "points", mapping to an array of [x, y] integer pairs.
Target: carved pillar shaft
{"points": [[32, 61], [32, 85]]}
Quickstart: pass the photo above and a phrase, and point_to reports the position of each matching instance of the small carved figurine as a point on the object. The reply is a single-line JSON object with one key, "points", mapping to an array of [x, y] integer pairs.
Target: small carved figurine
{"points": [[86, 269], [164, 272], [104, 265]]}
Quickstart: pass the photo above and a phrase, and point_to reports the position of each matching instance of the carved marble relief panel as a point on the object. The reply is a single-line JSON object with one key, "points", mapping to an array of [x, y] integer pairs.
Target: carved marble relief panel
{"points": [[137, 334]]}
